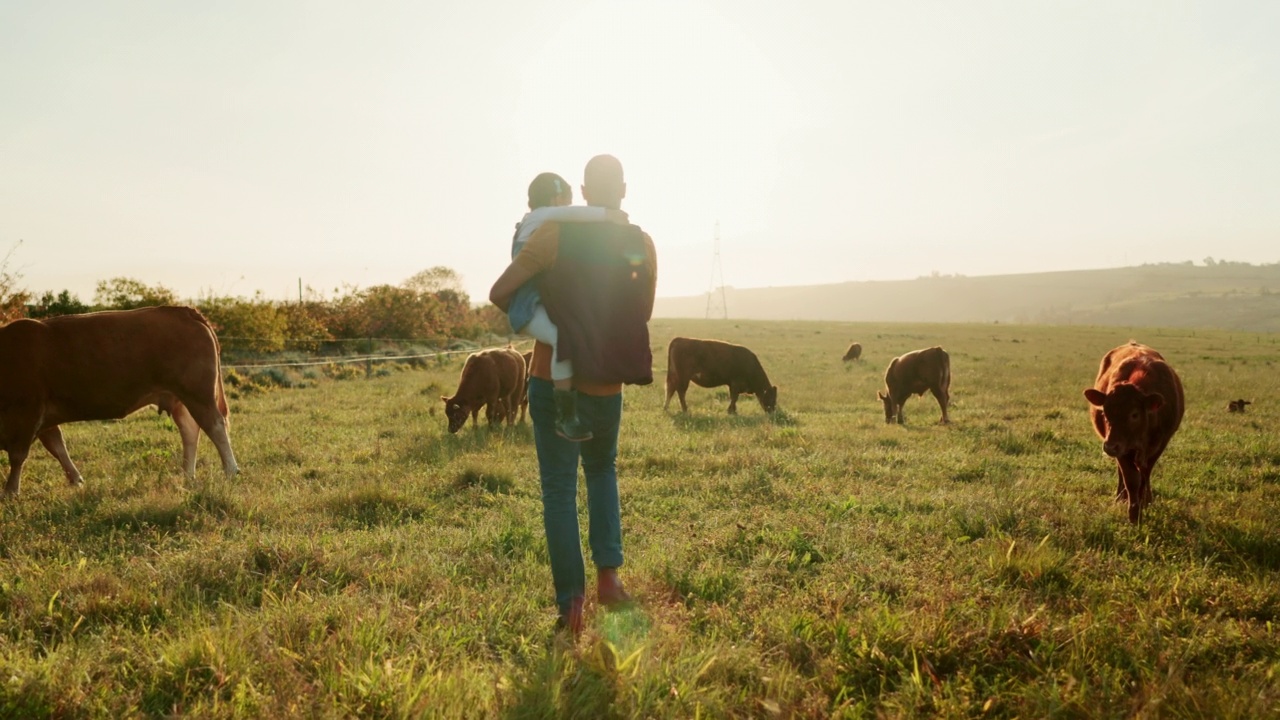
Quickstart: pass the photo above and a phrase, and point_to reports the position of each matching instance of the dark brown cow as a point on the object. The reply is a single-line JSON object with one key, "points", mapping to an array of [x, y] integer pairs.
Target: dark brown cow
{"points": [[853, 353], [104, 366], [1238, 405], [913, 374], [491, 379], [712, 363], [1137, 405]]}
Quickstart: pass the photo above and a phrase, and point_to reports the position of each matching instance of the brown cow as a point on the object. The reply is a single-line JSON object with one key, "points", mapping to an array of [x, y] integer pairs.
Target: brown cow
{"points": [[1137, 405], [1238, 405], [491, 379], [522, 392], [853, 353], [104, 366], [712, 363], [913, 374]]}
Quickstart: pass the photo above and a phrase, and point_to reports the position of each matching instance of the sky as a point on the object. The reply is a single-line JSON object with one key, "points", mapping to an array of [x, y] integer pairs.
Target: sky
{"points": [[231, 148]]}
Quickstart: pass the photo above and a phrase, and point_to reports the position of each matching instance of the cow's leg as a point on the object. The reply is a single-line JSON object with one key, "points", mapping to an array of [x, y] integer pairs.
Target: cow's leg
{"points": [[17, 456], [733, 400], [189, 430], [1132, 477], [214, 424], [51, 438], [1146, 483], [491, 410], [902, 417], [942, 397], [1121, 496], [678, 388]]}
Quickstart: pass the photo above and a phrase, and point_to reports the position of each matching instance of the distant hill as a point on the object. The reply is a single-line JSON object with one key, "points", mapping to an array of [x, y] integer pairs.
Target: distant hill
{"points": [[1227, 295]]}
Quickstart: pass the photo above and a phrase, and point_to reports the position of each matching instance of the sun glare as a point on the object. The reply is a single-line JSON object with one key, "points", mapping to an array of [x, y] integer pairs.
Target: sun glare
{"points": [[692, 107]]}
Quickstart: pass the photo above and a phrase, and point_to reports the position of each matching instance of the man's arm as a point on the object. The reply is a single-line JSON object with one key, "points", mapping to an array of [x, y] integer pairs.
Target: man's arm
{"points": [[538, 255]]}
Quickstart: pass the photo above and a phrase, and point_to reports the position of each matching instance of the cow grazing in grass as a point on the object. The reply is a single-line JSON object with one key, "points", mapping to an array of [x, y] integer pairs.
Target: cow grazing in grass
{"points": [[913, 374], [104, 366], [1137, 405], [1238, 405], [853, 353], [491, 379], [712, 363]]}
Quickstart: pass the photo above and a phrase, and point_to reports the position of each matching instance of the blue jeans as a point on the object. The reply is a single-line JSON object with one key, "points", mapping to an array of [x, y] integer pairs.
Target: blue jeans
{"points": [[558, 470]]}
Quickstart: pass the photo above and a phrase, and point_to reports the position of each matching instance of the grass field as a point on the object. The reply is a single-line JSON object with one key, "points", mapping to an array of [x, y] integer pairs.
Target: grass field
{"points": [[817, 563]]}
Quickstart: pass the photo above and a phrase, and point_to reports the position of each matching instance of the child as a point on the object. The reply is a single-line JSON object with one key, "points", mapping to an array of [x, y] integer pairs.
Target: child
{"points": [[549, 198]]}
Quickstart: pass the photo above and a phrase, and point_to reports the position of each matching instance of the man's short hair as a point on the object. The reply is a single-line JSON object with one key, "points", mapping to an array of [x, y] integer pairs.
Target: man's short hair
{"points": [[603, 171]]}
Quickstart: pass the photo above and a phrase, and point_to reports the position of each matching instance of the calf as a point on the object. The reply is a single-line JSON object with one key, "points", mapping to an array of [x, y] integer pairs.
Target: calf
{"points": [[712, 363], [104, 366], [853, 353], [1238, 405], [913, 374], [491, 379], [1136, 406]]}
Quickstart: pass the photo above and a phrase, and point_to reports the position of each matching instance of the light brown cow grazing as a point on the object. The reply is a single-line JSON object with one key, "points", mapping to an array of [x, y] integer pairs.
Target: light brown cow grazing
{"points": [[1137, 405], [1238, 405], [712, 363], [913, 374], [104, 366], [853, 353], [490, 379]]}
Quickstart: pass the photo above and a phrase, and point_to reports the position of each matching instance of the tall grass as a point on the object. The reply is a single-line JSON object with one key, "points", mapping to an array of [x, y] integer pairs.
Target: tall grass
{"points": [[815, 563]]}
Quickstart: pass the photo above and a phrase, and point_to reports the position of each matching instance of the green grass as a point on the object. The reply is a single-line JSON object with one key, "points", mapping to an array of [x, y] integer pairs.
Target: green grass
{"points": [[817, 563]]}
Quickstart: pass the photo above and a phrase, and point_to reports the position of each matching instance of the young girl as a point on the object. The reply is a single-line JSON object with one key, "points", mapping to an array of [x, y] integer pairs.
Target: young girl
{"points": [[549, 198]]}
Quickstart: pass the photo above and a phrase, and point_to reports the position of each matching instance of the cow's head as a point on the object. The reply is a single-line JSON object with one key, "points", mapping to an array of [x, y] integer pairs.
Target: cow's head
{"points": [[457, 413], [768, 398], [889, 409], [1128, 413]]}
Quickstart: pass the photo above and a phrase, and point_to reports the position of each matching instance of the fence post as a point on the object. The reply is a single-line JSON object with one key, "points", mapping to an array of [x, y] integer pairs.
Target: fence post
{"points": [[368, 361]]}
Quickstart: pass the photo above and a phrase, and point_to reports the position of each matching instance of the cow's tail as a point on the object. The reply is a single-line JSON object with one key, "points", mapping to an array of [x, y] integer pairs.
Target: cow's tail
{"points": [[944, 376], [220, 395]]}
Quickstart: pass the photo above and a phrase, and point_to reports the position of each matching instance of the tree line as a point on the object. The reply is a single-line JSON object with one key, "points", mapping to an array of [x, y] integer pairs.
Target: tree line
{"points": [[429, 307]]}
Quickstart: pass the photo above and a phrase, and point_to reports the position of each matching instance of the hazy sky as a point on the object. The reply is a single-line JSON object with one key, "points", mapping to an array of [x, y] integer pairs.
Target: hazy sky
{"points": [[231, 147]]}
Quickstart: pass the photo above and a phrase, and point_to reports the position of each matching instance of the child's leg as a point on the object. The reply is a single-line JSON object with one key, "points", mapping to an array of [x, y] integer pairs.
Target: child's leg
{"points": [[568, 425], [541, 328]]}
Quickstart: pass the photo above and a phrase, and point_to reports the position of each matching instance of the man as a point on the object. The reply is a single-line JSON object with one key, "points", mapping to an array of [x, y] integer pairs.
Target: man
{"points": [[597, 282]]}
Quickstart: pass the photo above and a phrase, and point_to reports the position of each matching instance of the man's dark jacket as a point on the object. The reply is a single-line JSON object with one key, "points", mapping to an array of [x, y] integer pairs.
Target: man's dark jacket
{"points": [[599, 294]]}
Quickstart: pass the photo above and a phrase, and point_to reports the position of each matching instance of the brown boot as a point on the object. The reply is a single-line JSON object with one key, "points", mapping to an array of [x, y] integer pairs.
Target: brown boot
{"points": [[571, 619], [609, 589]]}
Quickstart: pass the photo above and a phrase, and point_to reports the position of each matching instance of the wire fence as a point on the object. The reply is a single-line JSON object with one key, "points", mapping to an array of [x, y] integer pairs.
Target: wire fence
{"points": [[332, 352]]}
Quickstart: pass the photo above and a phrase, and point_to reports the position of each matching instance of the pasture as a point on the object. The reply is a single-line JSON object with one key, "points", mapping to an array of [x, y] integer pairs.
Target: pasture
{"points": [[812, 564]]}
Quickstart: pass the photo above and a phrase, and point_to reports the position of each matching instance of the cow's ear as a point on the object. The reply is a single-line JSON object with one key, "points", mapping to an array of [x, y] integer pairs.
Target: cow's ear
{"points": [[445, 399], [1095, 397], [1154, 401]]}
